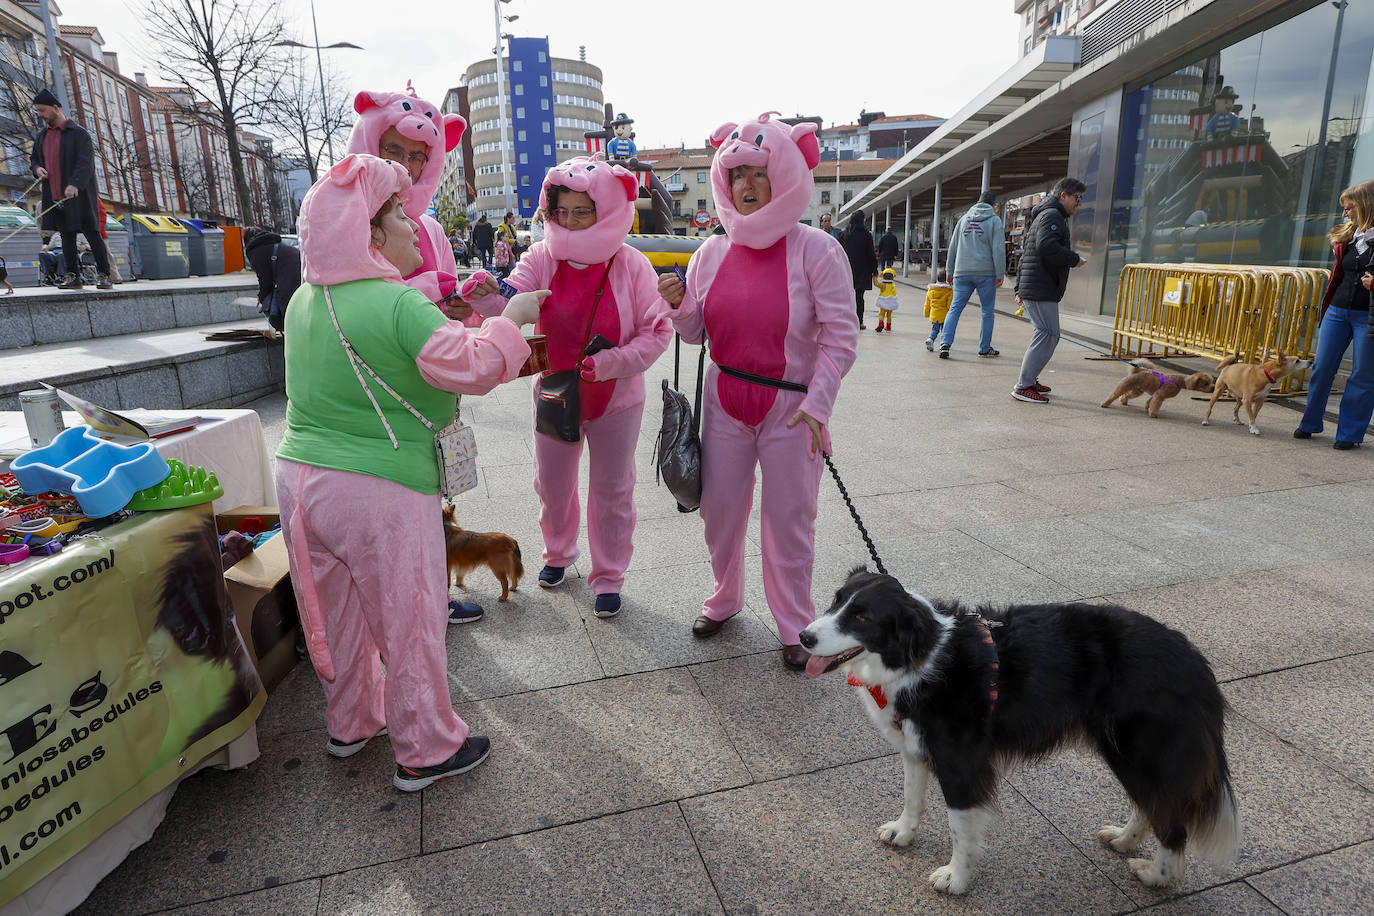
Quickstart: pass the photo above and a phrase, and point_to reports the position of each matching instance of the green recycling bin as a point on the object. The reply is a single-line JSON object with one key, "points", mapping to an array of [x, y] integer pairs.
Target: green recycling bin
{"points": [[205, 246], [158, 247]]}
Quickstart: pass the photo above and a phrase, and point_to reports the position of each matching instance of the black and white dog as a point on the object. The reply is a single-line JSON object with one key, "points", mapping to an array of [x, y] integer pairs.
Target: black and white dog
{"points": [[964, 693]]}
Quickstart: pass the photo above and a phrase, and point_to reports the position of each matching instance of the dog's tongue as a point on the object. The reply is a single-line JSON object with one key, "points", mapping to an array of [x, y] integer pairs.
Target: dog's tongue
{"points": [[817, 665]]}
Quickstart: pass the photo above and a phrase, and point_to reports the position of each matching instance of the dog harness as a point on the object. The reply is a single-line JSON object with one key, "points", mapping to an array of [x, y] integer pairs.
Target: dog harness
{"points": [[1164, 379]]}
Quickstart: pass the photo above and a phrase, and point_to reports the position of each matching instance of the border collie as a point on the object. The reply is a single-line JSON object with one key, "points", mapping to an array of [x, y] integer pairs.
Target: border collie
{"points": [[963, 693]]}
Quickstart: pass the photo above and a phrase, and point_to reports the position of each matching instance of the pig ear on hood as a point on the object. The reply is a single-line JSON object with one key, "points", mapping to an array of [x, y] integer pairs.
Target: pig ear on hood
{"points": [[346, 172], [722, 134], [804, 135], [454, 125], [365, 100], [627, 181]]}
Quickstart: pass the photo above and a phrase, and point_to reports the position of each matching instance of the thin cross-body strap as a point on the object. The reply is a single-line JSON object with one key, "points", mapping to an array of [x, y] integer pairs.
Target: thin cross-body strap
{"points": [[596, 301], [355, 361]]}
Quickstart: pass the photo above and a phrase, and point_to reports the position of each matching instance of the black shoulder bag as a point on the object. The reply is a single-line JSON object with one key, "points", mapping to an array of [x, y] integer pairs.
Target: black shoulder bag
{"points": [[558, 411]]}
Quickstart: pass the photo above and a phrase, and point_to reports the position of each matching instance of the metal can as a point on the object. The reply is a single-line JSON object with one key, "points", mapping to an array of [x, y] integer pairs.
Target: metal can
{"points": [[42, 415]]}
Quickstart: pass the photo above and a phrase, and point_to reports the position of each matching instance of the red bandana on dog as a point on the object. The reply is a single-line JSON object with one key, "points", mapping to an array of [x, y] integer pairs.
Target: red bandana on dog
{"points": [[877, 692]]}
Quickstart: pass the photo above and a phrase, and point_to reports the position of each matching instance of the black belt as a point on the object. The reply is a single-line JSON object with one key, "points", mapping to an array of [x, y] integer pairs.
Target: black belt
{"points": [[762, 379]]}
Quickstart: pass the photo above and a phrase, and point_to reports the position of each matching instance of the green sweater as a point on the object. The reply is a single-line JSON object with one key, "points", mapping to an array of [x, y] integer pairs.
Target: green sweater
{"points": [[330, 423]]}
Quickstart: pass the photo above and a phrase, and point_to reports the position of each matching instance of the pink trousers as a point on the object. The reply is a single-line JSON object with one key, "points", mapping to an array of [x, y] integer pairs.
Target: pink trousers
{"points": [[791, 483], [611, 441], [367, 563]]}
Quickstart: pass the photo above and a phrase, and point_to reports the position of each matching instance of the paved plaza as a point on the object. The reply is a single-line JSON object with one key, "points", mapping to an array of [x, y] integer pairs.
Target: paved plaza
{"points": [[638, 770]]}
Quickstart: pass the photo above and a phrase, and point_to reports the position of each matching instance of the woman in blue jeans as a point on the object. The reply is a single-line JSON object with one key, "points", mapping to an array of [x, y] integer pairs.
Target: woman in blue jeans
{"points": [[1345, 320]]}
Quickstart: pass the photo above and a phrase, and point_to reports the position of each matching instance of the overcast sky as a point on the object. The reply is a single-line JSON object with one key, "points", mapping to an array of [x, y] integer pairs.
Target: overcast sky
{"points": [[679, 69]]}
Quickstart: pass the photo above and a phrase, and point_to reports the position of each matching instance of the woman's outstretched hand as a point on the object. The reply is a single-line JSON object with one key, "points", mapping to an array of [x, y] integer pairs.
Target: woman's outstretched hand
{"points": [[671, 289], [817, 429], [478, 285], [524, 307]]}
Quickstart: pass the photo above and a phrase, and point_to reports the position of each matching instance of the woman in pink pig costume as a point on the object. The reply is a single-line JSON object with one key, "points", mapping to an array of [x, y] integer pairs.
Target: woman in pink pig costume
{"points": [[773, 297], [407, 130], [590, 205], [359, 499]]}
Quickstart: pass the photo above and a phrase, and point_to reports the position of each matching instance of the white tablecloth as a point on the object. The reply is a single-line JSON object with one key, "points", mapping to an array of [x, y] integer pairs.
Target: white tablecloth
{"points": [[230, 444]]}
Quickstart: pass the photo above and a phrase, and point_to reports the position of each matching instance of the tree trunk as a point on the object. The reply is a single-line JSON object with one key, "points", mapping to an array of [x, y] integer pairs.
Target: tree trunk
{"points": [[235, 154]]}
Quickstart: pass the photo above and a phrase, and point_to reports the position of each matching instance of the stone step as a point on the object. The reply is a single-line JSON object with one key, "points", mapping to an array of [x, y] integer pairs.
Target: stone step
{"points": [[166, 369], [37, 317]]}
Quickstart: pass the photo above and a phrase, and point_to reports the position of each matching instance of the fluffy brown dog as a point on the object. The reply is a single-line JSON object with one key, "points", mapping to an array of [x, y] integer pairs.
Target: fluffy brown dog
{"points": [[1160, 386], [468, 550], [1251, 383]]}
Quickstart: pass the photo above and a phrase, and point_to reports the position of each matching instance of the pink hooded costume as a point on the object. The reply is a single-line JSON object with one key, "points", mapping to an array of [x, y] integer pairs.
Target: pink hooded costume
{"points": [[366, 552], [633, 317], [773, 297], [415, 119]]}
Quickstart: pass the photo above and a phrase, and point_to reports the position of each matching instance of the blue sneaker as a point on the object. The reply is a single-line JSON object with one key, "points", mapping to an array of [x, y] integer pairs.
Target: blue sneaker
{"points": [[550, 576], [473, 752], [463, 611], [608, 605]]}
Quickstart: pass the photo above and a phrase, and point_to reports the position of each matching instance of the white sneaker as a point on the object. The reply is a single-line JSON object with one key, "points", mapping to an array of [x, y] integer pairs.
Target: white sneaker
{"points": [[930, 345]]}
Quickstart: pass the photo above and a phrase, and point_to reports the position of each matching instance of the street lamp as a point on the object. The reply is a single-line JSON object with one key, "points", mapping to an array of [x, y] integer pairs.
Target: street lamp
{"points": [[319, 63], [501, 99]]}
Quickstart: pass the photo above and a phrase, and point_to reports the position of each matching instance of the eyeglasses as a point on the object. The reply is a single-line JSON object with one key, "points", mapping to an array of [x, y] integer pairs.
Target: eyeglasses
{"points": [[579, 213], [396, 154], [1078, 197]]}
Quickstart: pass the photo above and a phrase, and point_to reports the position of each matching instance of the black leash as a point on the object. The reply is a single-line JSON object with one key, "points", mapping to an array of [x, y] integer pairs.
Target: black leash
{"points": [[873, 551]]}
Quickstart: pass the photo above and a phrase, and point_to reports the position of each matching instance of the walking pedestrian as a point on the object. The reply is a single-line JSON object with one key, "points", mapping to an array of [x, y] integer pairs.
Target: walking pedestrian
{"points": [[1345, 321], [773, 298], [977, 261], [830, 230], [484, 239], [938, 296], [1041, 278], [887, 248], [64, 155], [863, 260], [887, 299]]}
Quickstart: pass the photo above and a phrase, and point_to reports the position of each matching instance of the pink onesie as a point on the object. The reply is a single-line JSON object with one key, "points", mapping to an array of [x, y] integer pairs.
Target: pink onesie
{"points": [[634, 318], [415, 119], [773, 298]]}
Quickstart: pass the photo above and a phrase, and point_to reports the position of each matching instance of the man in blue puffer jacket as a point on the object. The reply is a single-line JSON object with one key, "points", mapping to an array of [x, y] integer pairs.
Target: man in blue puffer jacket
{"points": [[1041, 278]]}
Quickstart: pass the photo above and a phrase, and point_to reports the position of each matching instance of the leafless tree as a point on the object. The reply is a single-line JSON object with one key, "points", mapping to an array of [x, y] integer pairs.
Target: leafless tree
{"points": [[18, 124], [224, 50], [298, 114]]}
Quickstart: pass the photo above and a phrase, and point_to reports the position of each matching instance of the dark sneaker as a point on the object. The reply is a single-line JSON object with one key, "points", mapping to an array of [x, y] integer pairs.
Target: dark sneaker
{"points": [[990, 351], [473, 752], [1043, 389], [607, 605], [102, 281], [550, 576], [944, 351], [463, 611], [930, 345], [1301, 434], [1030, 395], [336, 748], [69, 281], [1340, 446]]}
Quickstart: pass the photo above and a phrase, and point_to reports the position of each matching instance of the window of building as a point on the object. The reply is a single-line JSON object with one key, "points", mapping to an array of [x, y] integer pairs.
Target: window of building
{"points": [[543, 57], [701, 178], [520, 112], [524, 158], [517, 66], [544, 105], [825, 198], [524, 181], [848, 195], [547, 128], [548, 150], [701, 203], [519, 89], [520, 135], [543, 81]]}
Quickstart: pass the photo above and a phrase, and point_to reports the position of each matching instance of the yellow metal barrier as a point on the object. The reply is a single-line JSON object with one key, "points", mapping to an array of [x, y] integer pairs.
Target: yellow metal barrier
{"points": [[1218, 310]]}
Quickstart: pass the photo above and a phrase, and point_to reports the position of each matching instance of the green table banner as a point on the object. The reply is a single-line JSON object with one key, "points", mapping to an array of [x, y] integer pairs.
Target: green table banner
{"points": [[120, 669]]}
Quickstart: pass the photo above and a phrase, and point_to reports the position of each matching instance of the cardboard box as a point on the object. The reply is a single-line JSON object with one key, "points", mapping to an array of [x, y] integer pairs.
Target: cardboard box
{"points": [[264, 604], [229, 521]]}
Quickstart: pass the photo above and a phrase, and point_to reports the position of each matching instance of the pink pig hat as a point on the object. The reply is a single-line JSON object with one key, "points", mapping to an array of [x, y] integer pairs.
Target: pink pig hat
{"points": [[788, 152], [612, 188], [335, 221], [415, 119]]}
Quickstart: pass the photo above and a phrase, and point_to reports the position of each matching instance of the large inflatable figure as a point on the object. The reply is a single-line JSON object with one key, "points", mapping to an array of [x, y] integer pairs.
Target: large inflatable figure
{"points": [[773, 299], [392, 125]]}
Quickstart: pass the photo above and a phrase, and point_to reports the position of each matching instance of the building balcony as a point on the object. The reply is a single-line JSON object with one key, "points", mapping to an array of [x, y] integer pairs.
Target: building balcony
{"points": [[675, 185]]}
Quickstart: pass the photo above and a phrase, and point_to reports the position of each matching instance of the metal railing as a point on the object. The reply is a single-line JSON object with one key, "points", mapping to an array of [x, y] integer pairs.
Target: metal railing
{"points": [[1219, 310]]}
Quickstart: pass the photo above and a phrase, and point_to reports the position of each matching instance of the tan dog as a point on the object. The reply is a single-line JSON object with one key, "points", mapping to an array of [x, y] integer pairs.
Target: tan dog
{"points": [[467, 550], [1250, 383], [1145, 378]]}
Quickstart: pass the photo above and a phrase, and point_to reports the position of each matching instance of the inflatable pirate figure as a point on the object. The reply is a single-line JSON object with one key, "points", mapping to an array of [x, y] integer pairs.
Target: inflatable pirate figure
{"points": [[622, 145], [1224, 119]]}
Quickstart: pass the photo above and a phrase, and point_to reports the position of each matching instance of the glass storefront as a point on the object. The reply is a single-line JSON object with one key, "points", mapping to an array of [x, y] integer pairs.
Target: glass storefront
{"points": [[1239, 156]]}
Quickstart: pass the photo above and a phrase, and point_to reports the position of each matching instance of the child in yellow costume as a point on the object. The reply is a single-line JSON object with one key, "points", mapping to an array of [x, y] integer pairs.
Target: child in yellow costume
{"points": [[938, 298], [887, 299]]}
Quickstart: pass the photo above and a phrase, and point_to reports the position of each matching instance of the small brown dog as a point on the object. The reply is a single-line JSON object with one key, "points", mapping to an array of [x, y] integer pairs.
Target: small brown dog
{"points": [[1250, 383], [1160, 386], [468, 550]]}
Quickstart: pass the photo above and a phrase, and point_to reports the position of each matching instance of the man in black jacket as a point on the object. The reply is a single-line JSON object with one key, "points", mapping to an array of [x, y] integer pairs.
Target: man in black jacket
{"points": [[1041, 277], [484, 239], [64, 157], [887, 248]]}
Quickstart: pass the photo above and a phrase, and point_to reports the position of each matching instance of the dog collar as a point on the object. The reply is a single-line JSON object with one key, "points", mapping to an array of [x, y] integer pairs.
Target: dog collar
{"points": [[1267, 375], [874, 690]]}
